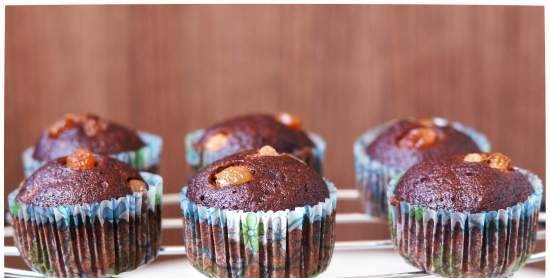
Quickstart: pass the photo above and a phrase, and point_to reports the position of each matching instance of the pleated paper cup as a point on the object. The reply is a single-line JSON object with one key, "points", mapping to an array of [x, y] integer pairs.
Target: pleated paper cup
{"points": [[99, 239], [146, 158], [199, 159], [372, 177], [288, 243], [461, 244]]}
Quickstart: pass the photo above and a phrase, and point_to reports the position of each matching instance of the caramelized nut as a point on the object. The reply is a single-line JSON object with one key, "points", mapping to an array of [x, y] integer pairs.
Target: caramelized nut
{"points": [[92, 125], [56, 129], [137, 185], [421, 137], [216, 141], [59, 127], [81, 159], [233, 175], [289, 120], [475, 157], [267, 151], [499, 161]]}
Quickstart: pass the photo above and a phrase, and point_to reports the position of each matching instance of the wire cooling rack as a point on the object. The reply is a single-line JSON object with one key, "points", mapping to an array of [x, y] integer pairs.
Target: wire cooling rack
{"points": [[341, 218]]}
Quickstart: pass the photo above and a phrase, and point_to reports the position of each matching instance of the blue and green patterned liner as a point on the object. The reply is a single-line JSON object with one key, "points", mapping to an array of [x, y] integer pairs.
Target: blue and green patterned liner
{"points": [[145, 159], [99, 239], [461, 244], [198, 160], [289, 243], [372, 177]]}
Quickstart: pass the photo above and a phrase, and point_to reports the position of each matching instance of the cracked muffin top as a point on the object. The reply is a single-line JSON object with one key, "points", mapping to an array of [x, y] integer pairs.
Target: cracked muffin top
{"points": [[407, 142], [257, 180], [88, 131], [282, 131], [473, 183], [80, 178]]}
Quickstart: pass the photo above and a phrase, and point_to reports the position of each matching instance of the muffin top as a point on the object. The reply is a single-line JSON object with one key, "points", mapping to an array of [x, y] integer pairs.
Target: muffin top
{"points": [[473, 183], [410, 141], [282, 131], [257, 180], [88, 132], [81, 177]]}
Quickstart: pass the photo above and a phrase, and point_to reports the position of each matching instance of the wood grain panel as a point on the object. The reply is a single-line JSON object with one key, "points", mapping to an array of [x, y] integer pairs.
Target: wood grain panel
{"points": [[171, 69]]}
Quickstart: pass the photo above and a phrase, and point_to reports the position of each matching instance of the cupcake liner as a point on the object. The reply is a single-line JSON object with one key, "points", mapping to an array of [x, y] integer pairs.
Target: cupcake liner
{"points": [[145, 159], [90, 240], [198, 160], [289, 243], [372, 176], [458, 244]]}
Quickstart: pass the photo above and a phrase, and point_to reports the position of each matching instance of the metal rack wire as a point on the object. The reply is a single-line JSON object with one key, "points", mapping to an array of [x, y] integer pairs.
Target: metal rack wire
{"points": [[341, 218]]}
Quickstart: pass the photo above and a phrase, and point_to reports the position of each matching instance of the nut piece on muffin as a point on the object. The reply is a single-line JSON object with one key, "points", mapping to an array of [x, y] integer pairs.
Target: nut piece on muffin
{"points": [[101, 215], [88, 131], [479, 202], [79, 178], [410, 141], [387, 151], [282, 131], [257, 180], [139, 149], [473, 183], [234, 197]]}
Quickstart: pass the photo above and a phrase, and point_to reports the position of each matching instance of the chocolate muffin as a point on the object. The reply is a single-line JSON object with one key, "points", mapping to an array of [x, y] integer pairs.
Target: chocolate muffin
{"points": [[457, 216], [410, 141], [265, 182], [387, 151], [78, 179], [259, 202], [283, 131], [87, 215], [472, 183], [89, 131]]}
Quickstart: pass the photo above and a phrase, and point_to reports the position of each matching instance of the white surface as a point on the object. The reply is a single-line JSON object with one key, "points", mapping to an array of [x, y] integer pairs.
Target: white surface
{"points": [[343, 264]]}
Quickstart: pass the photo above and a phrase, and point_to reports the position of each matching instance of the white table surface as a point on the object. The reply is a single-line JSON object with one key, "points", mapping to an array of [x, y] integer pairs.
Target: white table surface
{"points": [[343, 264]]}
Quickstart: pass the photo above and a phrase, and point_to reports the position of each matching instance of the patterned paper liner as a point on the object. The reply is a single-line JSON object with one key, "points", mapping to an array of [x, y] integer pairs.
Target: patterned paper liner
{"points": [[372, 176], [90, 240], [289, 243], [145, 159], [198, 160], [456, 244]]}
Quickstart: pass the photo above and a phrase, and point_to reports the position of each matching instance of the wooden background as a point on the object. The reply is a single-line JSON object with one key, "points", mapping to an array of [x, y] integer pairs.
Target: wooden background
{"points": [[343, 69]]}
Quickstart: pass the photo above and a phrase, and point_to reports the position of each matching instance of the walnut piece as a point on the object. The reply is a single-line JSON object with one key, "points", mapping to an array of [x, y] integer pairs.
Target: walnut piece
{"points": [[233, 175], [475, 157], [417, 138], [68, 122], [91, 124], [289, 120], [216, 141], [81, 159], [497, 161], [267, 151]]}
